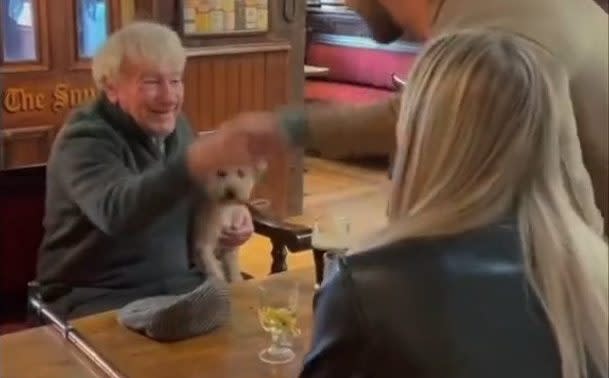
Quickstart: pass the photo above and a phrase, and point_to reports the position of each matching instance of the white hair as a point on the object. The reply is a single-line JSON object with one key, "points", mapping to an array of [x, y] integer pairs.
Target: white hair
{"points": [[138, 42]]}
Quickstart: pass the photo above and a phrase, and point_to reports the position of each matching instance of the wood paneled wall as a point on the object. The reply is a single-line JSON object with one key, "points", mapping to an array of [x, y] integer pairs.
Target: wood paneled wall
{"points": [[219, 87]]}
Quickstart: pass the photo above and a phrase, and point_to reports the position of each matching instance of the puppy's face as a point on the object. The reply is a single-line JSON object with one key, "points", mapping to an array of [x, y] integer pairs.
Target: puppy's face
{"points": [[233, 184]]}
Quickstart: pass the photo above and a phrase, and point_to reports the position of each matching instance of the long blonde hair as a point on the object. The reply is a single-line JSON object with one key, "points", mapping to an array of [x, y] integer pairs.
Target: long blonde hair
{"points": [[478, 139]]}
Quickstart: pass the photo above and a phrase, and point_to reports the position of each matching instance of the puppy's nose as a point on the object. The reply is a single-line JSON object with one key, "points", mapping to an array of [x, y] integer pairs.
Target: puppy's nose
{"points": [[229, 194]]}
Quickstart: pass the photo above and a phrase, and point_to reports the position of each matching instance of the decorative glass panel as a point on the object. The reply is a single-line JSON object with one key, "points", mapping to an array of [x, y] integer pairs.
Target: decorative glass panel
{"points": [[92, 26], [19, 31], [203, 17]]}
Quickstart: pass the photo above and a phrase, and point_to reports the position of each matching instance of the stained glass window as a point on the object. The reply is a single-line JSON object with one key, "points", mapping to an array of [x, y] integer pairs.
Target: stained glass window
{"points": [[19, 31], [92, 26]]}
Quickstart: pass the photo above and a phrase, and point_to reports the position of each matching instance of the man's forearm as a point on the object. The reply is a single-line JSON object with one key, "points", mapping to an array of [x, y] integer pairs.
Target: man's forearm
{"points": [[345, 131]]}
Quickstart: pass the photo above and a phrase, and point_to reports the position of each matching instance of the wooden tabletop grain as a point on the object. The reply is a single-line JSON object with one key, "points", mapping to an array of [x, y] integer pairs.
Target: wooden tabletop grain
{"points": [[42, 353], [230, 351]]}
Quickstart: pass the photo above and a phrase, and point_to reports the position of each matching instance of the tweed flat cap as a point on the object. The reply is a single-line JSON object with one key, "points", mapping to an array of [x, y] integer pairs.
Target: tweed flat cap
{"points": [[178, 317]]}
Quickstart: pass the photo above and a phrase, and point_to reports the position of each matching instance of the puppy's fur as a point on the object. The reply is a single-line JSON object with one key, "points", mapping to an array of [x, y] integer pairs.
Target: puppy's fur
{"points": [[227, 190]]}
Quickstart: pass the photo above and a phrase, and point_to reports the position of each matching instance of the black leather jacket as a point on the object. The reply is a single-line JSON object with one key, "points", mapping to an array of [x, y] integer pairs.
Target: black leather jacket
{"points": [[452, 307]]}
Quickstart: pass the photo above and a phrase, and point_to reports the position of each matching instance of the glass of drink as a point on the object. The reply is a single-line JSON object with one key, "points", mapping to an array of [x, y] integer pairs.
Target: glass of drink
{"points": [[330, 239], [277, 313]]}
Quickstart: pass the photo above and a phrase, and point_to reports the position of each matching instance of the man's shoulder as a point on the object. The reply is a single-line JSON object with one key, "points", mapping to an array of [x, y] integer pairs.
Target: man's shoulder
{"points": [[420, 274], [86, 122], [84, 129], [184, 129]]}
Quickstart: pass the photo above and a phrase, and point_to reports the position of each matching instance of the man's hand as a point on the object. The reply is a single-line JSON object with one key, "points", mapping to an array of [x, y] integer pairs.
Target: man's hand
{"points": [[259, 132], [240, 230], [245, 140]]}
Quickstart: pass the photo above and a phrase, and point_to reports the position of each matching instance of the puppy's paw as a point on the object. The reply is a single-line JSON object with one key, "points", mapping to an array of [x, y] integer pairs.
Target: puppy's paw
{"points": [[235, 277], [217, 275], [214, 269]]}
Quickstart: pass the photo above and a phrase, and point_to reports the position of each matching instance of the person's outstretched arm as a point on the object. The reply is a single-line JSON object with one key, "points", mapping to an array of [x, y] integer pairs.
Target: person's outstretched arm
{"points": [[341, 131], [89, 163]]}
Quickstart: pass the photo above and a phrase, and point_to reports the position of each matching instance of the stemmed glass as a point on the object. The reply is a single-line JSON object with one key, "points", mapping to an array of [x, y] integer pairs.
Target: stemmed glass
{"points": [[277, 313]]}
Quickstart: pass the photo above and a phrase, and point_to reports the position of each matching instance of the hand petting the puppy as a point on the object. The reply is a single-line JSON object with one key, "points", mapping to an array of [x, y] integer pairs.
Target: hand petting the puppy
{"points": [[250, 138], [240, 229], [260, 132]]}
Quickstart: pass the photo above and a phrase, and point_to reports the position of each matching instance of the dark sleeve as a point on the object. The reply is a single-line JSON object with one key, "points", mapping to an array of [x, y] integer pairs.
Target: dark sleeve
{"points": [[339, 348], [114, 198]]}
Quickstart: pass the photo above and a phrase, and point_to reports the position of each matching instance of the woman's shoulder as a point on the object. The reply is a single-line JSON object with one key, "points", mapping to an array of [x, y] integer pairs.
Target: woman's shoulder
{"points": [[494, 247], [420, 278]]}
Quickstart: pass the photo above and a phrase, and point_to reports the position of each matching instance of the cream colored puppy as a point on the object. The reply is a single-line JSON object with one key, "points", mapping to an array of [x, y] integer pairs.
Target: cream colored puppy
{"points": [[228, 190]]}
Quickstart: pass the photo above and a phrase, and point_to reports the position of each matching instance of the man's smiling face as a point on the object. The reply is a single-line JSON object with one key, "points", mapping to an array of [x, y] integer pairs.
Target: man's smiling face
{"points": [[153, 95]]}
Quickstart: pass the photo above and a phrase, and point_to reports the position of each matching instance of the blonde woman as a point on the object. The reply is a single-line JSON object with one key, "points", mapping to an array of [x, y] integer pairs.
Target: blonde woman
{"points": [[486, 268]]}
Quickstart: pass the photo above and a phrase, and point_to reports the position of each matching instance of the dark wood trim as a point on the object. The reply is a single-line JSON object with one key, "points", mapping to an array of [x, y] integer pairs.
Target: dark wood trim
{"points": [[116, 15], [229, 34], [20, 68], [43, 135], [1, 35], [289, 11], [242, 48]]}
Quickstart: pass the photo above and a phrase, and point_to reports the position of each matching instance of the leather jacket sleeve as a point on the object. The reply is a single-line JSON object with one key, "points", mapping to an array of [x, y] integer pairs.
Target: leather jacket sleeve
{"points": [[339, 347]]}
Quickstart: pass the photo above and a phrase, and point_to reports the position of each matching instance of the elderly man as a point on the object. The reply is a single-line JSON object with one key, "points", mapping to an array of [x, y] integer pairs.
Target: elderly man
{"points": [[123, 175], [572, 36]]}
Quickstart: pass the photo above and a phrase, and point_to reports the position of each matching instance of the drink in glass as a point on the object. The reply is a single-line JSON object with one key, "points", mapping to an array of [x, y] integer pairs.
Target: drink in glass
{"points": [[277, 313]]}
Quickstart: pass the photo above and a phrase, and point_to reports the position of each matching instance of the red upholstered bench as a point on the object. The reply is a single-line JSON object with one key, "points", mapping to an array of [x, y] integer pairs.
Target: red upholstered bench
{"points": [[360, 70], [8, 327], [328, 91]]}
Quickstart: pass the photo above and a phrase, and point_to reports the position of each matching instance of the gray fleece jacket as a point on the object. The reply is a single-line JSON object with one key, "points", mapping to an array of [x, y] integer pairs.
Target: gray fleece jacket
{"points": [[117, 209]]}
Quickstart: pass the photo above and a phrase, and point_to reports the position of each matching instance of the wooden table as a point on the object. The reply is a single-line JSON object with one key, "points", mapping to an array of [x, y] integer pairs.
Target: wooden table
{"points": [[314, 71], [230, 351], [42, 353]]}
